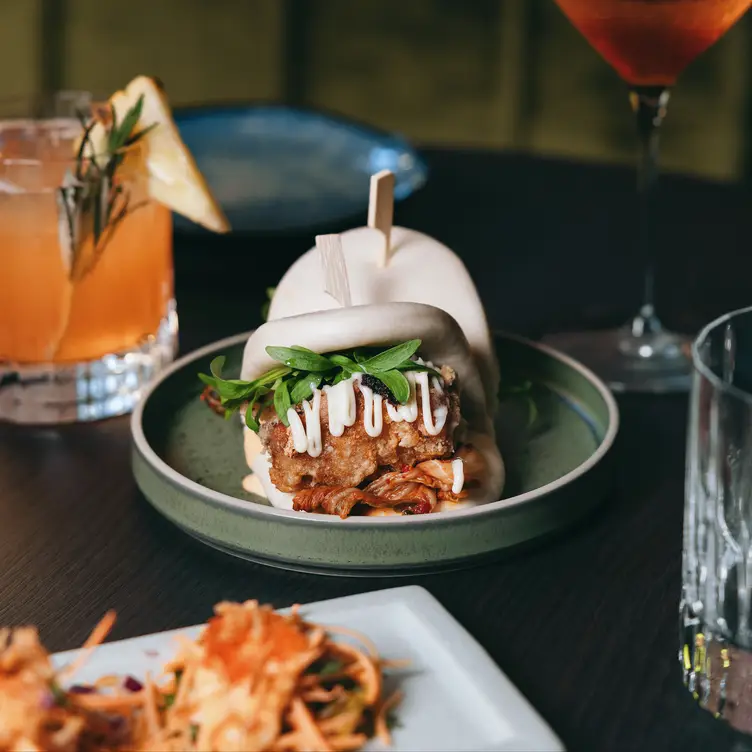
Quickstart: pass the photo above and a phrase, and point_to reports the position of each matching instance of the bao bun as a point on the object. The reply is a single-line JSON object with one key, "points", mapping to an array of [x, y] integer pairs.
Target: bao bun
{"points": [[443, 343]]}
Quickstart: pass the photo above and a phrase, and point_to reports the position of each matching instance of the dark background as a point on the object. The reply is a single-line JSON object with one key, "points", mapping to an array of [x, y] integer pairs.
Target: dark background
{"points": [[484, 73]]}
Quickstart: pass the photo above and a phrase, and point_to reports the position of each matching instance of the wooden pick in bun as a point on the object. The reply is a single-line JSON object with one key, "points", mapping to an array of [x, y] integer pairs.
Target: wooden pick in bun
{"points": [[420, 269]]}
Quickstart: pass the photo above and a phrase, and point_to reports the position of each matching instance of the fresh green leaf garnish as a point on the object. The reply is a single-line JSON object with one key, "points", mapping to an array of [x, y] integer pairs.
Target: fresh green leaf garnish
{"points": [[391, 358], [271, 376], [300, 358], [341, 376], [396, 383], [345, 363], [304, 387], [411, 365], [286, 386], [250, 418], [217, 365], [282, 402]]}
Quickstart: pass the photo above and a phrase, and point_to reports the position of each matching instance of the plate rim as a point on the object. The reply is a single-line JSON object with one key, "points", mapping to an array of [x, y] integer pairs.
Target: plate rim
{"points": [[219, 499], [415, 178], [237, 107]]}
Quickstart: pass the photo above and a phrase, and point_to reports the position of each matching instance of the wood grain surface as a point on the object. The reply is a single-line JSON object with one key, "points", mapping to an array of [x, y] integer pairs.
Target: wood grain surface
{"points": [[585, 625]]}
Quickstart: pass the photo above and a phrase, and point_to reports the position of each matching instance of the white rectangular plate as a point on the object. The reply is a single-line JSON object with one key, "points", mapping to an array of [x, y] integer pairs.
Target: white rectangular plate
{"points": [[455, 697]]}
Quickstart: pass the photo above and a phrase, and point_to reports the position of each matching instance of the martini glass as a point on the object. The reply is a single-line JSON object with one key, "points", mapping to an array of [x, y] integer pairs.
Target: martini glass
{"points": [[648, 43]]}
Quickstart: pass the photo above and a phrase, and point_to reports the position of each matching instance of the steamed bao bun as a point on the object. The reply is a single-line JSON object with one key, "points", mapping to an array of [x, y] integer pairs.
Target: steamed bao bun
{"points": [[420, 270], [443, 343]]}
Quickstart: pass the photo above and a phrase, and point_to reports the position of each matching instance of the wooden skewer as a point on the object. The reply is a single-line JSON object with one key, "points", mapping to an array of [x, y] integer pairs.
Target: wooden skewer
{"points": [[381, 209], [336, 282]]}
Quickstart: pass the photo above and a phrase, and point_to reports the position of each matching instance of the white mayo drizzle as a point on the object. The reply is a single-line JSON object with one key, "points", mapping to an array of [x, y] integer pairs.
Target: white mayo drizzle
{"points": [[341, 406], [458, 471], [298, 431], [373, 415], [432, 420], [342, 413], [409, 411], [308, 438]]}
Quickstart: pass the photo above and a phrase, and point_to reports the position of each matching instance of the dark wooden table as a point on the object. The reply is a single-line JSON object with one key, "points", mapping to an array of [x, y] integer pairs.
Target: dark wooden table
{"points": [[585, 625]]}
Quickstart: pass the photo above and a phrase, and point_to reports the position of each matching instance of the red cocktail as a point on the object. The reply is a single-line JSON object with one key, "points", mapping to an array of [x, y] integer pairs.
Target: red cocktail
{"points": [[649, 43]]}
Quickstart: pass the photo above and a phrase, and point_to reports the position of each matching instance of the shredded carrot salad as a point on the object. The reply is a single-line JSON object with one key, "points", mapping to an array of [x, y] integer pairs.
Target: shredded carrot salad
{"points": [[254, 679]]}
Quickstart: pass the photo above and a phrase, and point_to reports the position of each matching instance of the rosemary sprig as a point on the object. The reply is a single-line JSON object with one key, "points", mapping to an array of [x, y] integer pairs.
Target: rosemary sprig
{"points": [[302, 370], [92, 201]]}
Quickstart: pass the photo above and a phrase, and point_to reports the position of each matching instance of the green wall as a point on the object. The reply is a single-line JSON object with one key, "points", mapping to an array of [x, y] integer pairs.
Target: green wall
{"points": [[496, 73]]}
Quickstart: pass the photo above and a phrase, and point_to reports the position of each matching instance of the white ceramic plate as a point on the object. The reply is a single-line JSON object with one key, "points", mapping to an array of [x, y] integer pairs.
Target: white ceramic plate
{"points": [[455, 696]]}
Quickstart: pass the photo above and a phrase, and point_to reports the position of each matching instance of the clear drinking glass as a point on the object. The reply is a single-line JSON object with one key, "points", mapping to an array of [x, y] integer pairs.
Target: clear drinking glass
{"points": [[82, 328], [716, 605]]}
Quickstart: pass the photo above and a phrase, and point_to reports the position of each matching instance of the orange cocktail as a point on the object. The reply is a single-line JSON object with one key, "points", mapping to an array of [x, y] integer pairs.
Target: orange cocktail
{"points": [[50, 312], [87, 315]]}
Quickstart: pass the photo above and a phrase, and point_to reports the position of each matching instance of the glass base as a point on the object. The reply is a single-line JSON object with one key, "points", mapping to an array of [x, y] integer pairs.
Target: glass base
{"points": [[631, 359], [718, 673], [52, 393]]}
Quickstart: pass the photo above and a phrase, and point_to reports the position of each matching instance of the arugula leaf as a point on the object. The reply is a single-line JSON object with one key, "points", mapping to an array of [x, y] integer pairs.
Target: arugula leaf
{"points": [[217, 365], [303, 370], [345, 363], [304, 387], [227, 390], [411, 365], [391, 358], [271, 376], [300, 358], [208, 380], [396, 383], [282, 402], [250, 419]]}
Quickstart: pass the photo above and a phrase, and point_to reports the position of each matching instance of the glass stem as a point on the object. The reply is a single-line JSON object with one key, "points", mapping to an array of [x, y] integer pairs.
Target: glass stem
{"points": [[649, 105]]}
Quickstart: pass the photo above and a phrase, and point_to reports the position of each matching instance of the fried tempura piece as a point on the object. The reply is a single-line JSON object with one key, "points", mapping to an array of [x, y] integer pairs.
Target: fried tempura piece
{"points": [[348, 460]]}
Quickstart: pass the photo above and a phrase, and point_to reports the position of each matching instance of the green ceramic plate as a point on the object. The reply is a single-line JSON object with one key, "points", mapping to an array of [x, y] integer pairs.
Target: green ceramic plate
{"points": [[556, 425]]}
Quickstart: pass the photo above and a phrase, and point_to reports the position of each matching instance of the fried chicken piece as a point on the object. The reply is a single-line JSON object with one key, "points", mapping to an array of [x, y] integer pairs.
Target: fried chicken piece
{"points": [[348, 460]]}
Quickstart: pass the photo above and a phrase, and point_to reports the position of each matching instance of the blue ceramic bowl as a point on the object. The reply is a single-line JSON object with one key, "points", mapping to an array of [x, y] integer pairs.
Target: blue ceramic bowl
{"points": [[276, 168]]}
